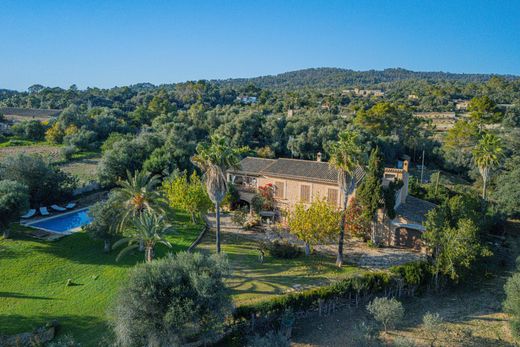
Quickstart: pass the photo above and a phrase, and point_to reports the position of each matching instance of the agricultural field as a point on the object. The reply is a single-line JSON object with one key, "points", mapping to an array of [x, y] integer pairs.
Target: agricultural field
{"points": [[83, 165], [44, 149], [84, 169]]}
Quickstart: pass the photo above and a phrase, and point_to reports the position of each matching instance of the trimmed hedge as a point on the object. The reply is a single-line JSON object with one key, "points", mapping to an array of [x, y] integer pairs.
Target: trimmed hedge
{"points": [[413, 274], [417, 273]]}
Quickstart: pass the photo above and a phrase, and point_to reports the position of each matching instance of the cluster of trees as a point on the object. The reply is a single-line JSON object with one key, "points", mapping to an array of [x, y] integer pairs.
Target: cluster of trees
{"points": [[32, 130], [136, 213], [158, 128], [138, 205], [44, 181], [454, 232]]}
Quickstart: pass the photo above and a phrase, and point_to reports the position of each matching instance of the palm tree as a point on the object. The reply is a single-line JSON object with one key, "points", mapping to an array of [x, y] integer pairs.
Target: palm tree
{"points": [[138, 193], [214, 159], [148, 229], [487, 154], [345, 156]]}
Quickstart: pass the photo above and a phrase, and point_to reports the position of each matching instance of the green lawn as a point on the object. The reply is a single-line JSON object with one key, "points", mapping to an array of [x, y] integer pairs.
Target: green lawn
{"points": [[252, 281], [34, 274]]}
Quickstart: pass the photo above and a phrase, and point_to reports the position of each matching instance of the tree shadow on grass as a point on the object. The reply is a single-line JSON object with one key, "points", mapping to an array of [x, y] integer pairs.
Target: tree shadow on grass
{"points": [[23, 296], [81, 249], [87, 330]]}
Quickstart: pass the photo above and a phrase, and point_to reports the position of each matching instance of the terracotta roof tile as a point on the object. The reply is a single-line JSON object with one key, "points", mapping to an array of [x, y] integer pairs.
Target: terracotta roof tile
{"points": [[414, 209], [294, 169]]}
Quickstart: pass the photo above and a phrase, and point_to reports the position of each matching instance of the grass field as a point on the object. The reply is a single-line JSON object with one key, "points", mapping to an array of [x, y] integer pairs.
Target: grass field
{"points": [[34, 273], [33, 280]]}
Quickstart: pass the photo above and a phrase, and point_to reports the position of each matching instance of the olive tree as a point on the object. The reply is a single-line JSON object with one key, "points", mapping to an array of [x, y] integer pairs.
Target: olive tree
{"points": [[173, 300], [14, 200], [432, 325], [46, 183], [106, 216], [386, 311]]}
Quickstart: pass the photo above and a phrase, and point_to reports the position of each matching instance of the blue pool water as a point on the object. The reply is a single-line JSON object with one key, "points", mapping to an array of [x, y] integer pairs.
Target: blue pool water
{"points": [[66, 222]]}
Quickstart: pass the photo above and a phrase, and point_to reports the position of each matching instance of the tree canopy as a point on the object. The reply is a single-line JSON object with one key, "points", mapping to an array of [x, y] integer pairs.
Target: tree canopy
{"points": [[171, 301]]}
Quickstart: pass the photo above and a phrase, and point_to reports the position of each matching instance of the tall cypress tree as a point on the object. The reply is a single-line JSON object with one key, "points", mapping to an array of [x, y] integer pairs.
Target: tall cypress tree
{"points": [[370, 192]]}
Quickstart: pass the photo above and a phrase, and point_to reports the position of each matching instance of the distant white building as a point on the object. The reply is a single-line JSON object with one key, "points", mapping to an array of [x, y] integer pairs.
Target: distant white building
{"points": [[247, 99], [364, 92]]}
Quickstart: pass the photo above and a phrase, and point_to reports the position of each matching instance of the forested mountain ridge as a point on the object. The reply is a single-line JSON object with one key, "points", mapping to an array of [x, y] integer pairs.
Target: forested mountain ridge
{"points": [[338, 78]]}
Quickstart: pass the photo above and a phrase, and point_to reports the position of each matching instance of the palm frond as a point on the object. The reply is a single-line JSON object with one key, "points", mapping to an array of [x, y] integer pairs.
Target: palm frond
{"points": [[121, 241], [126, 250]]}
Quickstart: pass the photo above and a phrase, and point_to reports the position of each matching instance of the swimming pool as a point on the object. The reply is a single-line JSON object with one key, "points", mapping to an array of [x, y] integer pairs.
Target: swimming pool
{"points": [[63, 223]]}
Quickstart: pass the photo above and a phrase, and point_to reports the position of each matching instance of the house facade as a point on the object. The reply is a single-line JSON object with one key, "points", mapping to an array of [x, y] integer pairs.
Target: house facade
{"points": [[294, 181], [303, 181]]}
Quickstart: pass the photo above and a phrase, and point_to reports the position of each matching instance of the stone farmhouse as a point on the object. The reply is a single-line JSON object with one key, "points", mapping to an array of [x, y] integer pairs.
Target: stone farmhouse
{"points": [[302, 181]]}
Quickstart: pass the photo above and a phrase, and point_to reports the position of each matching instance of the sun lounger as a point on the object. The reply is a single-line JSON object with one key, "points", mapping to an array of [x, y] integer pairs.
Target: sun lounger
{"points": [[70, 205], [58, 208], [29, 213], [44, 211]]}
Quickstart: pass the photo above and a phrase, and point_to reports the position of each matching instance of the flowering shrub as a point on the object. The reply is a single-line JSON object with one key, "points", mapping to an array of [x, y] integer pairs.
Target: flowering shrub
{"points": [[267, 194]]}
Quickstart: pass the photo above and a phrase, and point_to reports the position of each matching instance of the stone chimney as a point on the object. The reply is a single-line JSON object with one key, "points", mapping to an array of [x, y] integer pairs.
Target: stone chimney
{"points": [[318, 157]]}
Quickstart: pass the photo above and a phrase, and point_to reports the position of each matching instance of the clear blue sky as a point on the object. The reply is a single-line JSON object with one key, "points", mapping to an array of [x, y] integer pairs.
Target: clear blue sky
{"points": [[111, 42]]}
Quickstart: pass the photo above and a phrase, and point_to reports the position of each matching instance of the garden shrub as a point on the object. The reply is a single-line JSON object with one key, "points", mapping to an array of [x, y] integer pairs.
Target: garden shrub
{"points": [[47, 184], [232, 198], [29, 130], [365, 335], [239, 216], [512, 302], [67, 152], [414, 274], [282, 249], [374, 282], [257, 203], [252, 220], [82, 139]]}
